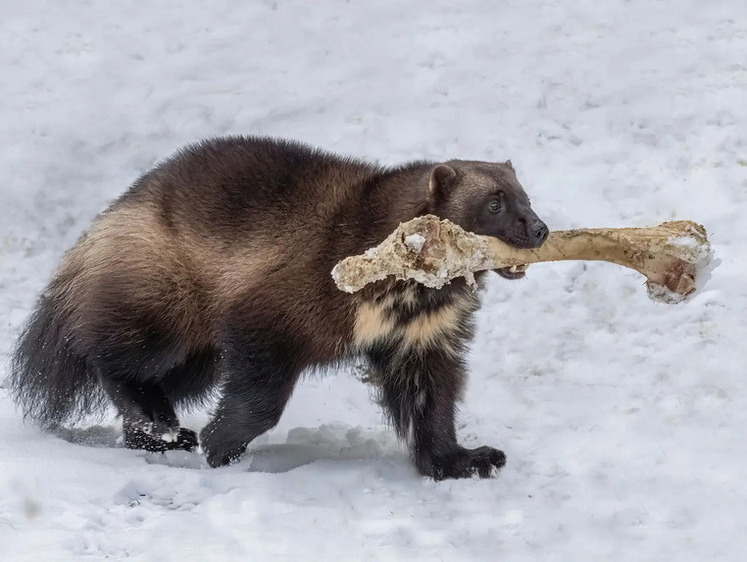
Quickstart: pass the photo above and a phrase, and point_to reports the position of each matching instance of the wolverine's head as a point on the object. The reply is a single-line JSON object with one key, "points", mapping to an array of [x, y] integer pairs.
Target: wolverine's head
{"points": [[486, 198]]}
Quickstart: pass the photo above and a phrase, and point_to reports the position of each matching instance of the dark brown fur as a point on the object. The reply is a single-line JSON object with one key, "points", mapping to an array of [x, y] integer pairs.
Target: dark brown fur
{"points": [[214, 269]]}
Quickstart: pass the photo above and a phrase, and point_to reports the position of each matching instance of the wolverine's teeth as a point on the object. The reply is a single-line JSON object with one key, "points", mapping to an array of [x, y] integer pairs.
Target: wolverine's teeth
{"points": [[512, 269]]}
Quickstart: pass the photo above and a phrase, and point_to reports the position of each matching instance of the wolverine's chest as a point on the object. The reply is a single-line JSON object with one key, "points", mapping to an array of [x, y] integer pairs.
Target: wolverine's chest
{"points": [[412, 316]]}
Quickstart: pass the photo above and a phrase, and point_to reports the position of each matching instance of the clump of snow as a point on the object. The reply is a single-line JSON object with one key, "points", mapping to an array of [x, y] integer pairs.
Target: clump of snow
{"points": [[661, 293], [705, 268], [684, 242], [695, 250], [415, 242], [168, 437]]}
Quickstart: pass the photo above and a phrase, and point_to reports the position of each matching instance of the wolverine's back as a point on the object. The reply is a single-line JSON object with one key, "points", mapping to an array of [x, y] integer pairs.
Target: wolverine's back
{"points": [[236, 223]]}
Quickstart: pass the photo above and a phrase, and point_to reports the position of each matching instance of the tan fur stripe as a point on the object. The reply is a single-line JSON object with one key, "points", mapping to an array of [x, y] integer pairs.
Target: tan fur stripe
{"points": [[372, 323], [426, 328]]}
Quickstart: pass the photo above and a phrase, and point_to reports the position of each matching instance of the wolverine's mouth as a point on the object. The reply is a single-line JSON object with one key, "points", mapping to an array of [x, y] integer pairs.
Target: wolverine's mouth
{"points": [[513, 272]]}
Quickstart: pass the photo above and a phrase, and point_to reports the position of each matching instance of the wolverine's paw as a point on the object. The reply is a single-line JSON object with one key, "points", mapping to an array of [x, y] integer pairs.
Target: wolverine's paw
{"points": [[220, 445], [464, 463], [224, 457], [138, 438], [186, 440], [158, 425]]}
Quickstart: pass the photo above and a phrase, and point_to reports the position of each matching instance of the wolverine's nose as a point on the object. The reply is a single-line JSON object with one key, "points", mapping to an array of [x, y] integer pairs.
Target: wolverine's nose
{"points": [[539, 232]]}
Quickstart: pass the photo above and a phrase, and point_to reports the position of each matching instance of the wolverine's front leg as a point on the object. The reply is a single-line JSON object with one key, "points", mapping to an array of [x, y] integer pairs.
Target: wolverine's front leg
{"points": [[420, 388]]}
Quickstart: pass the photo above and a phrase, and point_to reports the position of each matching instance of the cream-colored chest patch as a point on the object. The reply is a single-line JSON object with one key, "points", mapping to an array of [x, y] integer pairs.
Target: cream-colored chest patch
{"points": [[378, 322]]}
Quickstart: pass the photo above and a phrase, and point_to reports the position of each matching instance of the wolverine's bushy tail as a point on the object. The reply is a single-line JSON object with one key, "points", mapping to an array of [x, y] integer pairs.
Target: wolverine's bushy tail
{"points": [[50, 382]]}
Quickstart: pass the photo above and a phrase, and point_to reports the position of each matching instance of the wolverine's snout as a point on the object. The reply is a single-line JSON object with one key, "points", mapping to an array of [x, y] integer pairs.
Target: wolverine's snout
{"points": [[529, 230], [538, 232]]}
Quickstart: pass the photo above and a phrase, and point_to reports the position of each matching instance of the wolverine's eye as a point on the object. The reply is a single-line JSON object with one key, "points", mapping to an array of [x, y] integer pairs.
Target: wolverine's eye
{"points": [[495, 206]]}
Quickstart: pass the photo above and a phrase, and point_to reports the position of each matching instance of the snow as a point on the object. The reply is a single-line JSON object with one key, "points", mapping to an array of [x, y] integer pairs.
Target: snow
{"points": [[415, 242], [624, 421]]}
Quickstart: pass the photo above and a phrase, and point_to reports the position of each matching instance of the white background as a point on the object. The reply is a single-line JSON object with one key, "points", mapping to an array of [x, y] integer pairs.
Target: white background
{"points": [[623, 420]]}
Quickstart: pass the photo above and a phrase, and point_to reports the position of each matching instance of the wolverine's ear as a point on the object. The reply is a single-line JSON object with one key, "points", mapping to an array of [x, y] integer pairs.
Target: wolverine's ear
{"points": [[508, 163], [442, 177]]}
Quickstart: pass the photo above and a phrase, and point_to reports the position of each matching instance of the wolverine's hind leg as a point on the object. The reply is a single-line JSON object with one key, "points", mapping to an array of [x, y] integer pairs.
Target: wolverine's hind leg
{"points": [[259, 372], [148, 418], [135, 337]]}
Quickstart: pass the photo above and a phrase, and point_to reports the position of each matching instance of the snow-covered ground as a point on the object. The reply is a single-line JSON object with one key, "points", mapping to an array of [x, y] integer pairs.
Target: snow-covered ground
{"points": [[624, 421]]}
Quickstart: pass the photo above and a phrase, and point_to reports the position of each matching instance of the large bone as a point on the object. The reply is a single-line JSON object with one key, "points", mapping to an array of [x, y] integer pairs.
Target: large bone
{"points": [[673, 256]]}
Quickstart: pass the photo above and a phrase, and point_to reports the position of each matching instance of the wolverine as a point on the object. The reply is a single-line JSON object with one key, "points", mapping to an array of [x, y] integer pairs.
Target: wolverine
{"points": [[211, 275]]}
